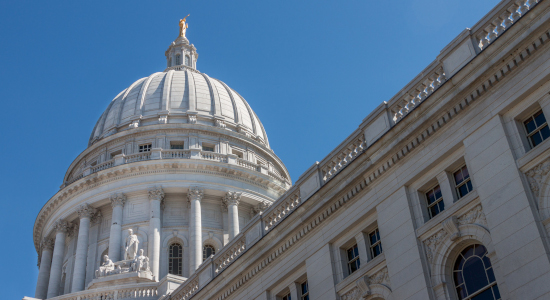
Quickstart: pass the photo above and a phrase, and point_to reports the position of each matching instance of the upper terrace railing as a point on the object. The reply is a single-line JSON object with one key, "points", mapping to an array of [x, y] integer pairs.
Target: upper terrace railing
{"points": [[178, 154], [485, 32], [134, 291]]}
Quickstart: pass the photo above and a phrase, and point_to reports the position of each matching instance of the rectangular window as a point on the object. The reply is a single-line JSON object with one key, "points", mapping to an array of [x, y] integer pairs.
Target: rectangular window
{"points": [[176, 145], [537, 129], [435, 201], [145, 148], [375, 243], [286, 297], [207, 148], [462, 182], [353, 259], [304, 291]]}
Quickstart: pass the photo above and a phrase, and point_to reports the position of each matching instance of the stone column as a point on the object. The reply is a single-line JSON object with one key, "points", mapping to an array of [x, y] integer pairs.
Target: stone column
{"points": [[61, 227], [45, 268], [85, 212], [232, 200], [194, 196], [115, 237], [156, 195]]}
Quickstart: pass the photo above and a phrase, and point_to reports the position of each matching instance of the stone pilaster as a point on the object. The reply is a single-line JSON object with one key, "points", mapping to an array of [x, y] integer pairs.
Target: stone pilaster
{"points": [[85, 212], [115, 238], [195, 195], [156, 196], [45, 269], [61, 227], [232, 200]]}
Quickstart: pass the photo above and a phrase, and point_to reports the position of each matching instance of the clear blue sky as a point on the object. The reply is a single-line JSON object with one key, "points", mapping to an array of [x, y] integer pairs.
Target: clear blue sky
{"points": [[312, 70]]}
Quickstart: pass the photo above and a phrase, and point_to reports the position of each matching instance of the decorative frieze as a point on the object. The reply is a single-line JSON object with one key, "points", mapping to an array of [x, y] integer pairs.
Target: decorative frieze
{"points": [[118, 199], [363, 285], [85, 211], [433, 242]]}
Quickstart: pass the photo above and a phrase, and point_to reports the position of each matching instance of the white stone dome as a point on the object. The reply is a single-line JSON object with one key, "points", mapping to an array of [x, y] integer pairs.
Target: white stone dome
{"points": [[180, 94]]}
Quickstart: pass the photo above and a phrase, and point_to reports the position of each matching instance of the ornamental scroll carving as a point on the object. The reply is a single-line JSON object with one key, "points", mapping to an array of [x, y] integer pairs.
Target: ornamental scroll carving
{"points": [[451, 229], [85, 211], [61, 226], [536, 176], [232, 198], [156, 193], [364, 284], [194, 193], [118, 199], [47, 244]]}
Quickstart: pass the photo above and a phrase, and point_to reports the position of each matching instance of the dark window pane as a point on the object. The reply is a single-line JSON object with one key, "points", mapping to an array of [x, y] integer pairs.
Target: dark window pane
{"points": [[463, 190], [430, 196], [468, 252], [474, 275], [480, 251], [358, 261], [437, 192], [530, 125], [539, 118], [536, 139], [486, 295], [461, 292], [496, 292], [545, 132], [491, 275], [441, 205], [465, 173], [458, 278], [458, 177], [469, 184]]}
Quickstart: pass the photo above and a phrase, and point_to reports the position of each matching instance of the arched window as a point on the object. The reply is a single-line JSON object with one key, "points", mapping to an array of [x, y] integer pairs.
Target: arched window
{"points": [[473, 275], [175, 259], [187, 60], [178, 60], [207, 251]]}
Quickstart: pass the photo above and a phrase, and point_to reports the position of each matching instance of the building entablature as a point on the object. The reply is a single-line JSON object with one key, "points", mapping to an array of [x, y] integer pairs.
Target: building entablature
{"points": [[385, 142]]}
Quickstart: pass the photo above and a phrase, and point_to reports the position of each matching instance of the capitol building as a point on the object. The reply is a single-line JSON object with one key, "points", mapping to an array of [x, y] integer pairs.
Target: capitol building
{"points": [[442, 192]]}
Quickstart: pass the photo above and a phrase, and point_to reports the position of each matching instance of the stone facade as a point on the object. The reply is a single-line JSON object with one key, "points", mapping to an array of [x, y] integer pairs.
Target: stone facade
{"points": [[360, 224]]}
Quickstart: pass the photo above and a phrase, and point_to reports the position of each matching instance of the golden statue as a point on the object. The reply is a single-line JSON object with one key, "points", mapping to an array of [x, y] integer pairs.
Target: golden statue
{"points": [[183, 26]]}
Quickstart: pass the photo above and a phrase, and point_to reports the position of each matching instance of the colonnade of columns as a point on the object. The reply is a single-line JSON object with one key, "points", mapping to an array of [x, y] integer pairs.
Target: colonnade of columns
{"points": [[51, 263]]}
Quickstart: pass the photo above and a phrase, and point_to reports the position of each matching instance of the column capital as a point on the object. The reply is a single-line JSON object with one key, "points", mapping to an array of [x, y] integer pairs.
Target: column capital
{"points": [[96, 219], [73, 229], [259, 208], [195, 193], [61, 226], [47, 243], [118, 199], [85, 211], [156, 193], [232, 198]]}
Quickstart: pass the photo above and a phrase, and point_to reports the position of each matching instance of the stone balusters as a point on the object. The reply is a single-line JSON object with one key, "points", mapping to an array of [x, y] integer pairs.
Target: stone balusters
{"points": [[85, 212], [156, 196], [194, 196], [232, 200], [61, 227], [45, 269], [115, 238]]}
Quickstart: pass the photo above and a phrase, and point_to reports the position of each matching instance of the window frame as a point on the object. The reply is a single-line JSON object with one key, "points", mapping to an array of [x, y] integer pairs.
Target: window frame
{"points": [[491, 286], [464, 181], [177, 143], [171, 258], [204, 257], [355, 260], [537, 129], [436, 201], [209, 146], [372, 246], [143, 148], [304, 296]]}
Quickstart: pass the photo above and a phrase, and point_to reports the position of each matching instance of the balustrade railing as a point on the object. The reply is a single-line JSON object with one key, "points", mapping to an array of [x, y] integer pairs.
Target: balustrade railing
{"points": [[279, 211], [213, 156], [169, 154], [247, 164], [110, 293], [343, 158], [229, 254], [137, 157], [103, 166]]}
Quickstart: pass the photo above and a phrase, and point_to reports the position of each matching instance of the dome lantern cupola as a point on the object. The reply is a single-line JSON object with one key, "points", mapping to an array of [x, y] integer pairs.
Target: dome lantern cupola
{"points": [[181, 53]]}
